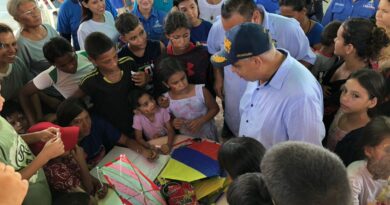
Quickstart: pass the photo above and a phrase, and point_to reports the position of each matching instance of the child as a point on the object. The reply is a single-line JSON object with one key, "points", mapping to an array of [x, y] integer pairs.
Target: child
{"points": [[196, 58], [368, 177], [67, 70], [109, 85], [363, 90], [96, 19], [15, 116], [200, 28], [238, 156], [325, 55], [192, 105], [15, 153], [144, 51], [68, 172], [150, 120], [97, 136]]}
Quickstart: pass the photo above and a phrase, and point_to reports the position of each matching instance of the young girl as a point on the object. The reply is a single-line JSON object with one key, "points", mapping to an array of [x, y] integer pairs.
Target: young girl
{"points": [[358, 41], [96, 19], [200, 28], [192, 105], [368, 177], [361, 93], [196, 58], [150, 120]]}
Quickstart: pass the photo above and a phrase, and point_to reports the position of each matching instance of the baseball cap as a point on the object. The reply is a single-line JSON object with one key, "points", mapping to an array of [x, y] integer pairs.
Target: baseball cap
{"points": [[242, 41], [69, 136]]}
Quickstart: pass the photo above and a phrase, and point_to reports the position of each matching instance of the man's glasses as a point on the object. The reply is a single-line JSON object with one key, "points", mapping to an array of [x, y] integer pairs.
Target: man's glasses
{"points": [[31, 11]]}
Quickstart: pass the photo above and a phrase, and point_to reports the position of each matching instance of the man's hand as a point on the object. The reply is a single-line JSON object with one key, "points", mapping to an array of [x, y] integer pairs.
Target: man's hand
{"points": [[139, 78], [53, 148], [49, 133]]}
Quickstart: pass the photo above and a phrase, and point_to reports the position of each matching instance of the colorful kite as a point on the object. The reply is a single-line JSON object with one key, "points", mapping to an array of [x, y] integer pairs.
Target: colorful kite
{"points": [[131, 185], [193, 162]]}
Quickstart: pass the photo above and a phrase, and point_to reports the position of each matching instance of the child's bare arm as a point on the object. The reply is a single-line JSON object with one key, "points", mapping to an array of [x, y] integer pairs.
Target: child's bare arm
{"points": [[140, 139], [53, 148], [86, 179], [171, 134], [212, 111]]}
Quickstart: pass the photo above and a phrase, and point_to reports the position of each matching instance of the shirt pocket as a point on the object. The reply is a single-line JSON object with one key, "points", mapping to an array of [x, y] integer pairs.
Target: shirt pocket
{"points": [[338, 12]]}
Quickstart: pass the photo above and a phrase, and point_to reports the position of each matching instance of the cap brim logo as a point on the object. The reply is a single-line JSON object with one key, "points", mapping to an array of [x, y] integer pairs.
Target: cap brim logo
{"points": [[227, 44], [218, 59]]}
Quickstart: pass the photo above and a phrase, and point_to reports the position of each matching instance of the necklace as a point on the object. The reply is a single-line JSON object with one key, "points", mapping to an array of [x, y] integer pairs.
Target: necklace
{"points": [[308, 28]]}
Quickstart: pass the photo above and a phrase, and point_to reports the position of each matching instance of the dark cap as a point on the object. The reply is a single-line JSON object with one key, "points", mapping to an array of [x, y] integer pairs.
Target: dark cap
{"points": [[242, 41]]}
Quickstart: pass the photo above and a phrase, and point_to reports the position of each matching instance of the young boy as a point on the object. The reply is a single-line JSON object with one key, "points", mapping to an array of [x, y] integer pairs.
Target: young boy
{"points": [[15, 116], [145, 52], [15, 152], [68, 67], [200, 28], [109, 85], [196, 58]]}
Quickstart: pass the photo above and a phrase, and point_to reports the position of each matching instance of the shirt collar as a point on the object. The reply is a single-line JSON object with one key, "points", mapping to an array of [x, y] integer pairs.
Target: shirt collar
{"points": [[139, 14], [277, 79]]}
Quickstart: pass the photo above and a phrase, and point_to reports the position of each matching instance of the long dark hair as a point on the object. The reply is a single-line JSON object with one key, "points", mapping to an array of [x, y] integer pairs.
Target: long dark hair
{"points": [[86, 13]]}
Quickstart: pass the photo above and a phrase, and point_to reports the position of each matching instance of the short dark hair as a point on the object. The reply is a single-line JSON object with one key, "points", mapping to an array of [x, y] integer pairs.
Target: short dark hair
{"points": [[177, 2], [297, 5], [126, 23], [68, 110], [55, 48], [97, 43], [10, 107], [248, 189], [176, 20], [375, 132], [135, 95], [298, 173], [169, 66], [243, 7], [365, 36], [329, 33], [241, 155], [4, 28]]}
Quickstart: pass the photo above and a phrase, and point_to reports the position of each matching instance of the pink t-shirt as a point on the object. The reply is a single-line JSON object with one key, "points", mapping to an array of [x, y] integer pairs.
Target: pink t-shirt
{"points": [[149, 128]]}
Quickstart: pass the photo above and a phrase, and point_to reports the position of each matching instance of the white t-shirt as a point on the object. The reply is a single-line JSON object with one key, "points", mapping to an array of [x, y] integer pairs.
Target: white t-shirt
{"points": [[65, 83], [209, 12], [364, 188], [107, 27]]}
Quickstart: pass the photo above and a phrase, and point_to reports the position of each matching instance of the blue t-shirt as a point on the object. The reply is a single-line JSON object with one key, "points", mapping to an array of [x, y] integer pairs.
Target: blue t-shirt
{"points": [[271, 6], [102, 138], [162, 5], [154, 25], [200, 33], [342, 10], [69, 18], [314, 35]]}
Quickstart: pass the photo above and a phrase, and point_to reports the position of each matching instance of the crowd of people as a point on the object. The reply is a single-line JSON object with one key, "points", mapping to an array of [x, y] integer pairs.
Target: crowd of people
{"points": [[305, 95]]}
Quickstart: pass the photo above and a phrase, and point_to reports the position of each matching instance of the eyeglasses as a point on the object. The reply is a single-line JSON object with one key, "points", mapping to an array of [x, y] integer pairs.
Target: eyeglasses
{"points": [[31, 11], [7, 46]]}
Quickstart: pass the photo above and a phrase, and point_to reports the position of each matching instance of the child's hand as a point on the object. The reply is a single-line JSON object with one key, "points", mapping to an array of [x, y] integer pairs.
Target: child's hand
{"points": [[178, 123], [195, 124], [53, 148], [139, 78], [163, 101], [14, 187], [78, 153], [150, 154], [165, 149], [100, 190], [49, 133]]}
